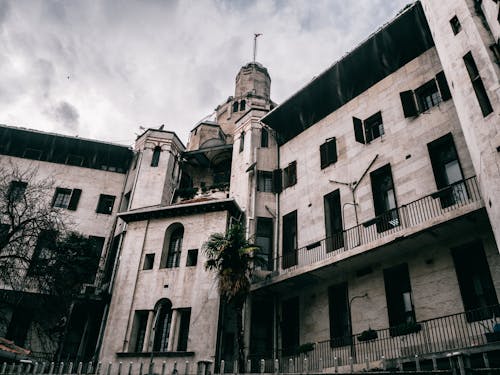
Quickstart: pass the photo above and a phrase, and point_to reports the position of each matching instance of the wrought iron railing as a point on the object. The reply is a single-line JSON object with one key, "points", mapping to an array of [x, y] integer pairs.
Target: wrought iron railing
{"points": [[452, 332], [418, 212]]}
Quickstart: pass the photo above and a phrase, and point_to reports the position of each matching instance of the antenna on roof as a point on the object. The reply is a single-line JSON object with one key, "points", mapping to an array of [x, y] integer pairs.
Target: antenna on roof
{"points": [[256, 35]]}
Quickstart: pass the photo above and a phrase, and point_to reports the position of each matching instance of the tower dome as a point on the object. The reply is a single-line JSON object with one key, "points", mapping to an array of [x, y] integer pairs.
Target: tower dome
{"points": [[253, 80]]}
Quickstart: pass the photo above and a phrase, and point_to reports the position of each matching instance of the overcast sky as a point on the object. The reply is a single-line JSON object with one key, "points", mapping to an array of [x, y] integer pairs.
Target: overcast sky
{"points": [[101, 69]]}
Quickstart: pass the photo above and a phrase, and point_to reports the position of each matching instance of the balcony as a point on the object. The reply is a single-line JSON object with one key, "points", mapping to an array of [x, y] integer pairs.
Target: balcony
{"points": [[471, 329], [443, 205]]}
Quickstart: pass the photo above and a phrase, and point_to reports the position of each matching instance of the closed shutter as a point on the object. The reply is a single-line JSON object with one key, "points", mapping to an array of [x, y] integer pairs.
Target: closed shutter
{"points": [[358, 130], [332, 150], [277, 180], [408, 102], [75, 197], [443, 86], [323, 152]]}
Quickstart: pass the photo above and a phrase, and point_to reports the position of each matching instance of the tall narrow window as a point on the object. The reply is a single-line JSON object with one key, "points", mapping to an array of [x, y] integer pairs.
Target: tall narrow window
{"points": [[399, 298], [447, 171], [338, 308], [455, 25], [384, 198], [44, 252], [243, 105], [139, 331], [333, 221], [474, 278], [477, 84], [290, 175], [155, 159], [264, 239], [264, 137], [242, 141], [290, 326], [19, 325], [328, 152], [185, 316], [289, 240], [235, 107], [172, 246], [163, 318]]}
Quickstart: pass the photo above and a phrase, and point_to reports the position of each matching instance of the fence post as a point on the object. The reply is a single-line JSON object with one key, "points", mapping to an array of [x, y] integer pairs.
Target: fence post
{"points": [[262, 366], [35, 367], [276, 366], [485, 360], [51, 369], [174, 369], [221, 370], [42, 368], [249, 366], [398, 364], [417, 362], [291, 367], [12, 367], [306, 365], [336, 364], [61, 368], [320, 365], [434, 363], [186, 370], [367, 363], [140, 368], [151, 367], [130, 364], [4, 366], [90, 367], [70, 368], [98, 368], [119, 368], [163, 367], [80, 366], [235, 367], [108, 372], [384, 365], [351, 364]]}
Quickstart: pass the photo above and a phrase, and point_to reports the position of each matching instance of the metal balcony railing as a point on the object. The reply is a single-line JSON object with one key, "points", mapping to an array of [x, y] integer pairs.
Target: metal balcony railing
{"points": [[418, 212], [452, 332]]}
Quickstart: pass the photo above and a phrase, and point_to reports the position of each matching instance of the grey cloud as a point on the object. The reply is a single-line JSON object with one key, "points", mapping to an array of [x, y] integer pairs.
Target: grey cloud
{"points": [[67, 114], [4, 11]]}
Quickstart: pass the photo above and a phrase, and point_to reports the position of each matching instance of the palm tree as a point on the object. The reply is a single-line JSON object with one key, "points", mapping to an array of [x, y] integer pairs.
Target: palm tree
{"points": [[232, 257]]}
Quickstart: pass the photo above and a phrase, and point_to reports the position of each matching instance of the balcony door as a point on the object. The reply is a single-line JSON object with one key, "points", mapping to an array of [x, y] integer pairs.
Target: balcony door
{"points": [[384, 198], [333, 221], [290, 326], [289, 240]]}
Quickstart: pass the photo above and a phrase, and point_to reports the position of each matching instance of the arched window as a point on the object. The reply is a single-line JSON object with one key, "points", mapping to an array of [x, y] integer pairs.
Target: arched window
{"points": [[235, 107], [172, 246], [161, 326], [242, 141], [243, 104], [156, 156]]}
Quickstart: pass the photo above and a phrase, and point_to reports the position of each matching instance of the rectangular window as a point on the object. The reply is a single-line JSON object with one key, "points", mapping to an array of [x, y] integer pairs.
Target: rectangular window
{"points": [[369, 129], [265, 181], [105, 204], [66, 198], [43, 254], [192, 258], [289, 240], [277, 181], [474, 279], [139, 331], [333, 221], [447, 171], [185, 316], [19, 325], [264, 239], [399, 298], [328, 152], [242, 141], [455, 25], [477, 84], [264, 138], [16, 190], [290, 326], [427, 95], [290, 175], [384, 199], [149, 260], [338, 308]]}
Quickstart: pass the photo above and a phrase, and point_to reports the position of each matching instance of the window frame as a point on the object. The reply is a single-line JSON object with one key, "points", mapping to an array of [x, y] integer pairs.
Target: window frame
{"points": [[290, 174], [328, 152], [105, 204], [477, 84], [264, 181]]}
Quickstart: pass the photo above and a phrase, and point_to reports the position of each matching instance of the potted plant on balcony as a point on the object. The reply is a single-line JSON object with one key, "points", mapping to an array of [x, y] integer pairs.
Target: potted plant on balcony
{"points": [[368, 335], [305, 348]]}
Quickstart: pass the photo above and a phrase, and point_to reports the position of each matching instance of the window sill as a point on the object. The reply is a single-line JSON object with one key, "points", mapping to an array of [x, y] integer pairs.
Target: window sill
{"points": [[154, 354]]}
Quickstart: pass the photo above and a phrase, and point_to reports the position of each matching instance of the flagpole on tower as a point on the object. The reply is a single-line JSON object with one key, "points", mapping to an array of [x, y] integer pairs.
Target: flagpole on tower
{"points": [[256, 35]]}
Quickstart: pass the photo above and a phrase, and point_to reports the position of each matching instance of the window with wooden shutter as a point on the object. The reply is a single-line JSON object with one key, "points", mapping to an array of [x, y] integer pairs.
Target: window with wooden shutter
{"points": [[290, 175], [408, 102], [477, 84], [328, 152], [75, 197], [277, 181], [443, 86], [359, 133]]}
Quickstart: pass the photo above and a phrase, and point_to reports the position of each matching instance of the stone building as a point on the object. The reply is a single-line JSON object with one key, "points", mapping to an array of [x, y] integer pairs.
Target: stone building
{"points": [[373, 193]]}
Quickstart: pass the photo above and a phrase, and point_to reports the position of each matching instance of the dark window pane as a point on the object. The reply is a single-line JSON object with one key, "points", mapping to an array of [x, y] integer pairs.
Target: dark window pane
{"points": [[408, 102], [264, 239], [333, 221], [477, 84], [358, 130], [149, 260], [427, 95], [374, 127], [105, 204], [289, 240], [156, 156], [338, 308], [264, 138], [192, 257], [185, 316]]}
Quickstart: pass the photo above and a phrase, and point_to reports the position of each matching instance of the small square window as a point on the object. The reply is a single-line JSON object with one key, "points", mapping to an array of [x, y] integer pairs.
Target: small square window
{"points": [[192, 258], [149, 261], [62, 198], [328, 152], [290, 175], [427, 95], [374, 127], [455, 25], [16, 190], [105, 205]]}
